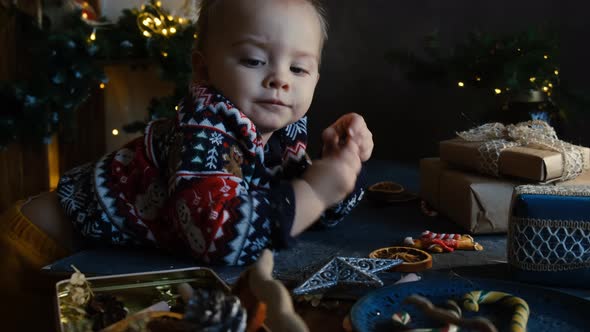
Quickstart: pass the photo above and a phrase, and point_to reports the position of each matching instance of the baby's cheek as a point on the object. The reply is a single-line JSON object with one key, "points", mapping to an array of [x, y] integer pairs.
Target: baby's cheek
{"points": [[302, 107]]}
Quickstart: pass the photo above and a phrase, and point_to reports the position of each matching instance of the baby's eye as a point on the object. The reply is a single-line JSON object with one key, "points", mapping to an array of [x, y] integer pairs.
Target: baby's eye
{"points": [[252, 62], [298, 70]]}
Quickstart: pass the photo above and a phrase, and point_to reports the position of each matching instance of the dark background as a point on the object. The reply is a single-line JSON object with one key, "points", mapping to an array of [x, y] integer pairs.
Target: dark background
{"points": [[408, 119]]}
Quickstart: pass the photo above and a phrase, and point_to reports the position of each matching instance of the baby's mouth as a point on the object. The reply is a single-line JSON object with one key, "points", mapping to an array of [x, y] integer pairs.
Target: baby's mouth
{"points": [[276, 102]]}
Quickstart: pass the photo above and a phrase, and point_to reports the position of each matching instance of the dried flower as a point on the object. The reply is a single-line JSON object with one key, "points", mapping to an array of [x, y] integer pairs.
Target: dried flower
{"points": [[78, 288], [79, 295], [73, 302], [78, 278]]}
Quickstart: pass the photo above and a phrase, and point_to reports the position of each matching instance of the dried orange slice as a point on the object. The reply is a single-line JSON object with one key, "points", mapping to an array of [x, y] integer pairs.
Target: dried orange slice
{"points": [[139, 319], [389, 192], [386, 187], [415, 260]]}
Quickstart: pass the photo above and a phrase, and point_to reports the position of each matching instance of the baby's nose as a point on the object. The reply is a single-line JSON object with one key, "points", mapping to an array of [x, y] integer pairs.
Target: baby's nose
{"points": [[276, 80]]}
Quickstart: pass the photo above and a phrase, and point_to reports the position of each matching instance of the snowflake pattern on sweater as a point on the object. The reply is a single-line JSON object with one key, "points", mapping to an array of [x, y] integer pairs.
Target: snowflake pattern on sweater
{"points": [[202, 183]]}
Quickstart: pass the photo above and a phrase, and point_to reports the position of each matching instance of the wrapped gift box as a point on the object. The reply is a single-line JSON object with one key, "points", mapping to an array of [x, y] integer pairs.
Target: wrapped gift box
{"points": [[532, 165], [478, 203], [549, 235]]}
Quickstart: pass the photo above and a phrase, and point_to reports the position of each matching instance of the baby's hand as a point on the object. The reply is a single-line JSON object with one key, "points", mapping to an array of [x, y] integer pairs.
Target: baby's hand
{"points": [[352, 127], [334, 176]]}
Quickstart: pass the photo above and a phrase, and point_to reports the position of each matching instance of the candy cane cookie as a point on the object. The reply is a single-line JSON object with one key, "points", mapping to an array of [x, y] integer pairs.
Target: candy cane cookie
{"points": [[401, 318], [442, 242], [460, 241], [472, 300], [449, 314]]}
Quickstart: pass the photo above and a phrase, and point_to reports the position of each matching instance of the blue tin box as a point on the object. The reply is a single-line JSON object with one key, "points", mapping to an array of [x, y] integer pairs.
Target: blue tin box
{"points": [[549, 235]]}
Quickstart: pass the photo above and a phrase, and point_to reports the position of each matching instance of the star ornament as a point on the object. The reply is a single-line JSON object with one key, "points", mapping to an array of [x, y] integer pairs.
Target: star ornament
{"points": [[346, 271]]}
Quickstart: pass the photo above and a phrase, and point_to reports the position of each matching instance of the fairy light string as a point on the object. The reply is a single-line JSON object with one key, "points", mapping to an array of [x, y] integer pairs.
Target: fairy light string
{"points": [[546, 85], [154, 20], [75, 50]]}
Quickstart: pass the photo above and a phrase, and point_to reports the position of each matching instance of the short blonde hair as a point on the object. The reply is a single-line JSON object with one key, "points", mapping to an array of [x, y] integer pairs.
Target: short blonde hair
{"points": [[206, 7]]}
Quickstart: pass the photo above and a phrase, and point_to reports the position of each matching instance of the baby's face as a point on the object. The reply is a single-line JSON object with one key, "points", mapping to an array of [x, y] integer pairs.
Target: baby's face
{"points": [[263, 55]]}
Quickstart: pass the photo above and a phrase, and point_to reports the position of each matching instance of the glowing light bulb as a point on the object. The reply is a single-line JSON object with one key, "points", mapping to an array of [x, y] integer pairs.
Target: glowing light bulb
{"points": [[545, 56], [176, 108], [173, 30], [93, 35], [545, 89], [170, 18], [164, 54], [164, 32], [556, 72], [532, 79], [478, 78], [85, 16], [145, 22], [158, 22], [147, 34], [102, 85], [180, 20], [550, 85], [498, 91], [461, 84], [195, 36], [159, 4], [115, 132]]}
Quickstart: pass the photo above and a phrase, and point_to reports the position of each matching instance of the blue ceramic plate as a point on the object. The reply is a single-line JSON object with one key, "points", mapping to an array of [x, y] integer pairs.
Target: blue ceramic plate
{"points": [[550, 310]]}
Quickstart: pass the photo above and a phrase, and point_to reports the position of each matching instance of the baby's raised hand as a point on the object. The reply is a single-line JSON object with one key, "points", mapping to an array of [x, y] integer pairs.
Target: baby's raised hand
{"points": [[334, 176], [351, 127]]}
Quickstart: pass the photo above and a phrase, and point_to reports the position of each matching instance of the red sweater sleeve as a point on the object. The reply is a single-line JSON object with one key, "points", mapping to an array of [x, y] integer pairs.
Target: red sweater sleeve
{"points": [[198, 184], [223, 203]]}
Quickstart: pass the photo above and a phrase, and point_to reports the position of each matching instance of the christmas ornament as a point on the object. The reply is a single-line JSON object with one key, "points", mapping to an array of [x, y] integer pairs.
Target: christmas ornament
{"points": [[346, 271]]}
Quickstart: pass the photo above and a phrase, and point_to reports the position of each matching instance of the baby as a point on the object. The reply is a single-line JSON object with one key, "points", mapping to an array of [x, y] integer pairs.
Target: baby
{"points": [[229, 176]]}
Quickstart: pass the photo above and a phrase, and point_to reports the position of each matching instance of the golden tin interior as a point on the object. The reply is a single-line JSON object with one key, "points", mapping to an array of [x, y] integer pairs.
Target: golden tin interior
{"points": [[138, 291]]}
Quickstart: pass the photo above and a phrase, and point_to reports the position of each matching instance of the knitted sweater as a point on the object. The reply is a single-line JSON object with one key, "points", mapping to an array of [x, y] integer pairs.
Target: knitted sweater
{"points": [[201, 184]]}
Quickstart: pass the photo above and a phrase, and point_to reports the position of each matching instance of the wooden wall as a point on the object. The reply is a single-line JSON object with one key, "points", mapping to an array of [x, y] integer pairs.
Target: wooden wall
{"points": [[24, 169], [87, 142]]}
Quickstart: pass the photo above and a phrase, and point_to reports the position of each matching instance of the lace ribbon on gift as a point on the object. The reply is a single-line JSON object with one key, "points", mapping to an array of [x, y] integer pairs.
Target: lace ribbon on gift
{"points": [[536, 134]]}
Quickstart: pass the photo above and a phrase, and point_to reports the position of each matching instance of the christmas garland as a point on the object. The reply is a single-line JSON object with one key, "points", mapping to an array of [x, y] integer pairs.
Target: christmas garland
{"points": [[66, 66]]}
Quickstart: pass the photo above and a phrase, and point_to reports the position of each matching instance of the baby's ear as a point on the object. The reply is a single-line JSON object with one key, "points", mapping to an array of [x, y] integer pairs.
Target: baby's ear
{"points": [[199, 67]]}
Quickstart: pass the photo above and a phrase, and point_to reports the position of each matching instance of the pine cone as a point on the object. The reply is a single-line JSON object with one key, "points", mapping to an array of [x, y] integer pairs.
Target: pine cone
{"points": [[214, 311]]}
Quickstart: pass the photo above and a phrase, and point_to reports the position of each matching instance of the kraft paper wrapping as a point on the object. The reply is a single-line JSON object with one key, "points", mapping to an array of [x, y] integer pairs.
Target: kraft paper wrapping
{"points": [[526, 163], [478, 203]]}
